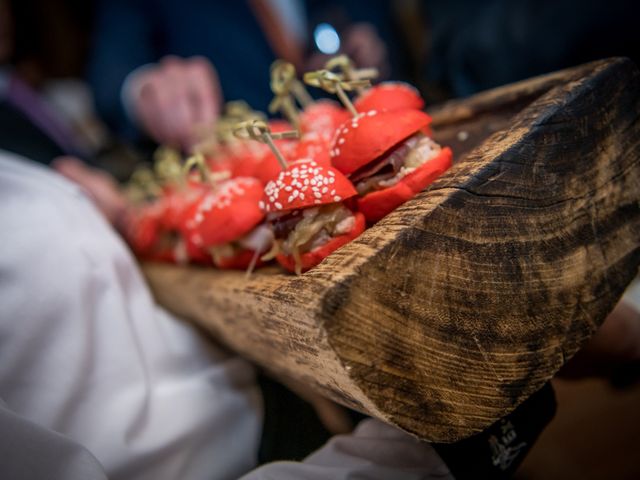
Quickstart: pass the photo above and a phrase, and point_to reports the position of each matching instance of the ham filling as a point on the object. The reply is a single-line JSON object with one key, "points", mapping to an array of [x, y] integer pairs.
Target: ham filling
{"points": [[396, 164]]}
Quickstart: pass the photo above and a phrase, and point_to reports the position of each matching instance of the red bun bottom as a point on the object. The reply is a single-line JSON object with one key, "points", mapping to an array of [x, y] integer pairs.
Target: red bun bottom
{"points": [[377, 204], [314, 257], [239, 261]]}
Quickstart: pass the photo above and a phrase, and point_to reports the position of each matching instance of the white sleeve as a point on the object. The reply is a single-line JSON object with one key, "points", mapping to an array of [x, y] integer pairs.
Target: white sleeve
{"points": [[29, 451], [374, 451], [85, 351]]}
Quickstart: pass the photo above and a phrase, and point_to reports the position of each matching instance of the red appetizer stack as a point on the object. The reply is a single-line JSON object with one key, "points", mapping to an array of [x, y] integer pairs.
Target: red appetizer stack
{"points": [[306, 211], [295, 201], [388, 158]]}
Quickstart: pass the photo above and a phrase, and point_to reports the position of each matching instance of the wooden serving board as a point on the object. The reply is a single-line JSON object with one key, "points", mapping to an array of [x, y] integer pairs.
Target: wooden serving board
{"points": [[456, 307]]}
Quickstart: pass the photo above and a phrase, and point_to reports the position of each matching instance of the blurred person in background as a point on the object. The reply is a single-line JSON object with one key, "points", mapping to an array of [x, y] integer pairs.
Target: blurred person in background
{"points": [[45, 110], [475, 45], [164, 67], [46, 107]]}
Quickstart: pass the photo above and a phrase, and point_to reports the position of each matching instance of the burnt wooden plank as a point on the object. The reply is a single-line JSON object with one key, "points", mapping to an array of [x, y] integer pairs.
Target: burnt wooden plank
{"points": [[456, 307]]}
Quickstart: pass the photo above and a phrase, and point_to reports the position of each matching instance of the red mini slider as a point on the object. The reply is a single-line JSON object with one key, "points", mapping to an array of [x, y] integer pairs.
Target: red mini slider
{"points": [[389, 96], [367, 136], [313, 147], [291, 200], [323, 117], [227, 214], [375, 142]]}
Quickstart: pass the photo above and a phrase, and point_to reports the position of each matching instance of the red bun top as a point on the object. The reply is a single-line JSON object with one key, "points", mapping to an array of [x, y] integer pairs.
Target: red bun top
{"points": [[175, 203], [312, 146], [367, 136], [228, 212], [323, 117], [257, 160], [303, 184], [389, 96]]}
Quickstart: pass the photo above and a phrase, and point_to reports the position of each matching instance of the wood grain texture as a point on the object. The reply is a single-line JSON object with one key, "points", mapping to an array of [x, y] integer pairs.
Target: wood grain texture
{"points": [[464, 301]]}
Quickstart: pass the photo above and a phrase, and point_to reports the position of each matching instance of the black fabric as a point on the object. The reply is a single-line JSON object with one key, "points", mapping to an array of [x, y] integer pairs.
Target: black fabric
{"points": [[480, 44], [292, 429], [497, 451], [20, 136]]}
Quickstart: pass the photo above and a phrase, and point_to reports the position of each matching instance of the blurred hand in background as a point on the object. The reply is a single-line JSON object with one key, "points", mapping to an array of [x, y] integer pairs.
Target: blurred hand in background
{"points": [[174, 97], [98, 184]]}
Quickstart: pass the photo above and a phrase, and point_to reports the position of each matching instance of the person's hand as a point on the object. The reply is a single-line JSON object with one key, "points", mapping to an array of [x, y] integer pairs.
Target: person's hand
{"points": [[173, 98], [99, 185]]}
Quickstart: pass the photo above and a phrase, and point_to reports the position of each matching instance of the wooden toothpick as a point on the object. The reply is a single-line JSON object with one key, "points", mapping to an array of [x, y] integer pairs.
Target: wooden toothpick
{"points": [[239, 110], [167, 165], [346, 66], [142, 185], [283, 75], [259, 131], [335, 83], [198, 161]]}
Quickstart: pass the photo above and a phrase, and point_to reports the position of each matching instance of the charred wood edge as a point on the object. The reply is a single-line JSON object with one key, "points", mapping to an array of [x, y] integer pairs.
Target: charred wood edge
{"points": [[293, 325], [525, 91], [470, 177]]}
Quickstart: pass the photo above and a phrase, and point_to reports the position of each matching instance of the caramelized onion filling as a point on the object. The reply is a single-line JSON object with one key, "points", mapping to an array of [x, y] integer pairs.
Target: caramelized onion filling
{"points": [[305, 230]]}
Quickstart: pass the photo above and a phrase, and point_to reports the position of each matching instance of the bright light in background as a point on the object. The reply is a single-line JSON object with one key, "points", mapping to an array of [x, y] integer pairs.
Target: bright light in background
{"points": [[326, 38]]}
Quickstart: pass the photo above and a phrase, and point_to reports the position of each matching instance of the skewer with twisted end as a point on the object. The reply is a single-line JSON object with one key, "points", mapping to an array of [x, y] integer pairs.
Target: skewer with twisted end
{"points": [[220, 131], [167, 165], [234, 112], [288, 72], [142, 185], [283, 76], [346, 66], [197, 160], [239, 110], [335, 83], [259, 131]]}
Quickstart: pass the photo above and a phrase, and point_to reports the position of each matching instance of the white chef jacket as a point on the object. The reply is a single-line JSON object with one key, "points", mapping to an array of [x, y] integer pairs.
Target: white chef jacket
{"points": [[97, 381], [374, 451], [85, 351]]}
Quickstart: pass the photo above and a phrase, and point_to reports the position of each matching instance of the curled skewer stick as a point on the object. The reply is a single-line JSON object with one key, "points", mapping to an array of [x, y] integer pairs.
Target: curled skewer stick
{"points": [[297, 88], [283, 75], [142, 185], [300, 92], [197, 161], [335, 83], [259, 131], [167, 165], [345, 65], [212, 178], [235, 111], [239, 110]]}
